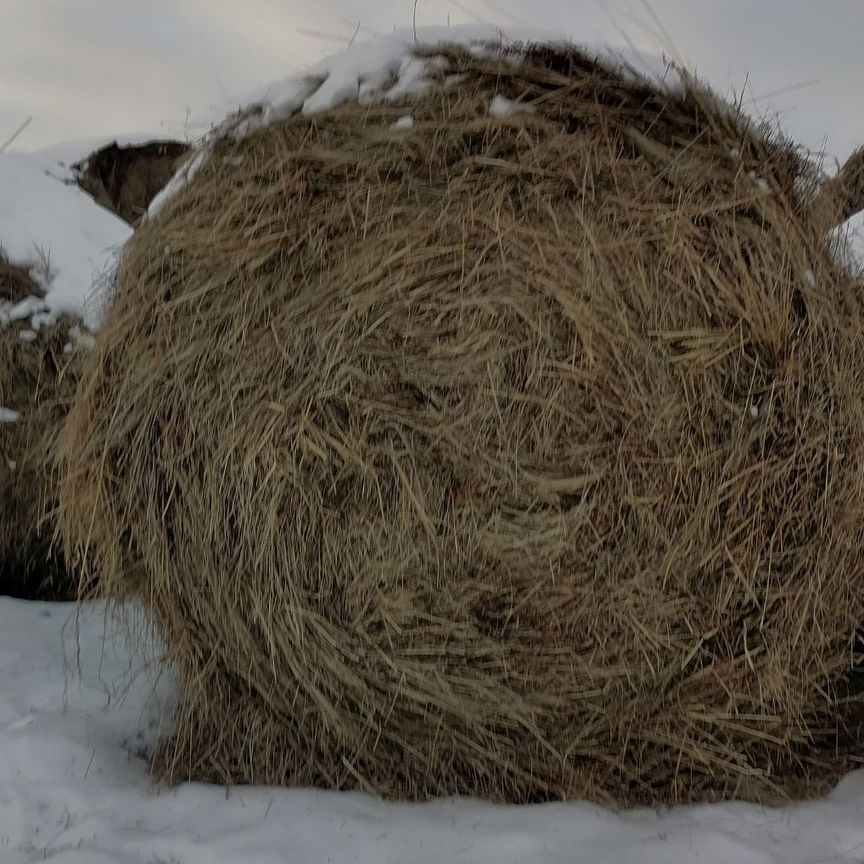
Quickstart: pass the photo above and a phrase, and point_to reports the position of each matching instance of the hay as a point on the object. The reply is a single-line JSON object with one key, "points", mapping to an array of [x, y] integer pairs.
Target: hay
{"points": [[842, 197], [15, 284], [126, 179], [513, 456], [36, 383]]}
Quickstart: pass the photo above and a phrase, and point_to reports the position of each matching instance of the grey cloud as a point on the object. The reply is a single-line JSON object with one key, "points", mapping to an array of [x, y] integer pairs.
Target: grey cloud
{"points": [[90, 67]]}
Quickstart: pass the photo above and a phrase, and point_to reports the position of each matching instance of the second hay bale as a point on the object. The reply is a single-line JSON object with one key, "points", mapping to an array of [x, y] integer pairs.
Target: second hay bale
{"points": [[37, 385], [125, 179], [512, 456]]}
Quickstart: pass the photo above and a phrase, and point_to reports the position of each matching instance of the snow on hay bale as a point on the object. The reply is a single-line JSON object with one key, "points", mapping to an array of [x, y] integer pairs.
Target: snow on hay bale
{"points": [[36, 389], [506, 452]]}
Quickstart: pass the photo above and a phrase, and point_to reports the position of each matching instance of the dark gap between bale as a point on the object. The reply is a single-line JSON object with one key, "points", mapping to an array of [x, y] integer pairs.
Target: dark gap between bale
{"points": [[126, 179], [516, 457], [37, 381]]}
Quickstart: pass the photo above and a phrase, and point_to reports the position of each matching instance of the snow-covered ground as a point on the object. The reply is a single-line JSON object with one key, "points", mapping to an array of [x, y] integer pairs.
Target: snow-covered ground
{"points": [[79, 699], [853, 231], [58, 233]]}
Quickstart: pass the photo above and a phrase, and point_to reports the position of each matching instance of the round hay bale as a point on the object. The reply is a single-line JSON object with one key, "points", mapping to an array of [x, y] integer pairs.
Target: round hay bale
{"points": [[36, 388], [513, 452]]}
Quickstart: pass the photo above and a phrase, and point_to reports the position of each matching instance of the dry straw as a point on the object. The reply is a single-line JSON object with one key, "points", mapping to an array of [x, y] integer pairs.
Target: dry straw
{"points": [[516, 456], [37, 383]]}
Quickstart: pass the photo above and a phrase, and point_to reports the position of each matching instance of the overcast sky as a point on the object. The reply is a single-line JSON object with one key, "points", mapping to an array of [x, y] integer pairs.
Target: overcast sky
{"points": [[85, 68]]}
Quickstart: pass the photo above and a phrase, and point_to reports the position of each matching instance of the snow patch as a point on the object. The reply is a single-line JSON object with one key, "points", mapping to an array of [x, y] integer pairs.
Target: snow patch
{"points": [[27, 335], [854, 228], [397, 58], [759, 182], [81, 338], [413, 78], [850, 238], [184, 176], [81, 701], [403, 124], [7, 415], [58, 234], [391, 68], [503, 107]]}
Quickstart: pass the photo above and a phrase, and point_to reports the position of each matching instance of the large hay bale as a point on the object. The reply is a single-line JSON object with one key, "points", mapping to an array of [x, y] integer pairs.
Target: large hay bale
{"points": [[37, 384], [512, 453]]}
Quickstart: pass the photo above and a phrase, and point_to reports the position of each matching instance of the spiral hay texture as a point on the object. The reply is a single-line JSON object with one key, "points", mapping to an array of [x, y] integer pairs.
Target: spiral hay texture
{"points": [[516, 455]]}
